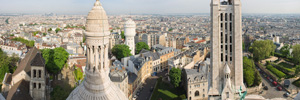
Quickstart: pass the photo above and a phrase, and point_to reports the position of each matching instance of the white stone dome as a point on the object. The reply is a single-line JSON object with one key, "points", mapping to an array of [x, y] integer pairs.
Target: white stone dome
{"points": [[129, 27], [97, 21]]}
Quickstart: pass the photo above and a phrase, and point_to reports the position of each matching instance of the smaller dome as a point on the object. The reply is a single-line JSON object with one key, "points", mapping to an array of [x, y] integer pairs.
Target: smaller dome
{"points": [[129, 22], [227, 69], [129, 28]]}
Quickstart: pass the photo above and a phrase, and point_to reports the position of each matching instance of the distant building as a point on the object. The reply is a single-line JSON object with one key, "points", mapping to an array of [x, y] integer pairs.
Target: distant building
{"points": [[12, 47]]}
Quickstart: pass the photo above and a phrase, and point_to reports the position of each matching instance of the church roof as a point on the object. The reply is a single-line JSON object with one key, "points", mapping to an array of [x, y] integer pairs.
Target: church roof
{"points": [[38, 60], [20, 91], [26, 62]]}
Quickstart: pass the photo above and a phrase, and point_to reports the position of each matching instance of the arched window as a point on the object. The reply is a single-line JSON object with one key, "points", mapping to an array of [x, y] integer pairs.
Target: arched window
{"points": [[197, 93]]}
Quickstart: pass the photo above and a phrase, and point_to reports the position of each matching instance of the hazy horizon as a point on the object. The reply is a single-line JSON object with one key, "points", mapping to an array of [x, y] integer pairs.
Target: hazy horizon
{"points": [[120, 7]]}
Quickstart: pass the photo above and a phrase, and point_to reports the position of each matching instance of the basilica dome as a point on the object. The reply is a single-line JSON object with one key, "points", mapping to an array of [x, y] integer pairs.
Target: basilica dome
{"points": [[97, 21]]}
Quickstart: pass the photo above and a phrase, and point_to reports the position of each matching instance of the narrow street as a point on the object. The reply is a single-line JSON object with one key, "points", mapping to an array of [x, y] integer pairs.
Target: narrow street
{"points": [[145, 94]]}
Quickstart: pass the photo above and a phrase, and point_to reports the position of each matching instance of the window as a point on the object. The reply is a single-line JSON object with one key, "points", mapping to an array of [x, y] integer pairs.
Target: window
{"points": [[203, 95], [34, 73], [197, 93], [226, 59], [221, 56], [225, 16], [40, 85], [230, 39], [221, 16], [230, 58], [226, 38], [40, 74], [221, 37], [34, 85], [221, 26], [226, 26], [226, 48], [227, 93]]}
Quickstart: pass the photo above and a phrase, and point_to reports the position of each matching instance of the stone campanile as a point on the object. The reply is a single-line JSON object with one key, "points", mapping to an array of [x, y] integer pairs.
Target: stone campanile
{"points": [[129, 33], [226, 75], [97, 85]]}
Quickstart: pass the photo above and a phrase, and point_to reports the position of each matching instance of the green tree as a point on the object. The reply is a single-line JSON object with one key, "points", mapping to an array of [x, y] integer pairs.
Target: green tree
{"points": [[175, 76], [139, 46], [44, 34], [285, 50], [121, 51], [60, 57], [122, 35], [50, 29], [36, 32], [257, 79], [57, 30], [296, 53], [55, 59], [262, 49], [27, 42], [249, 77], [78, 73], [60, 93], [7, 64]]}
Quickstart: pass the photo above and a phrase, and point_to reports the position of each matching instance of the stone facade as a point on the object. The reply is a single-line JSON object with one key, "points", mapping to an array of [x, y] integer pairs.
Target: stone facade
{"points": [[196, 82], [226, 42]]}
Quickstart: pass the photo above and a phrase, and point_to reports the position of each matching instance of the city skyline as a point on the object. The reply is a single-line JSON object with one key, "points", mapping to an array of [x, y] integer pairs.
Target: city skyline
{"points": [[144, 6]]}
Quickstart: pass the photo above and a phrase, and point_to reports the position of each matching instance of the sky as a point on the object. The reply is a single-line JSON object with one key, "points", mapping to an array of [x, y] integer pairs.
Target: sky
{"points": [[144, 6]]}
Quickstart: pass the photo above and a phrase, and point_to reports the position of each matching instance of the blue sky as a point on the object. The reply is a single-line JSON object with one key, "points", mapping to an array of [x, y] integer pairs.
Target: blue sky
{"points": [[142, 6]]}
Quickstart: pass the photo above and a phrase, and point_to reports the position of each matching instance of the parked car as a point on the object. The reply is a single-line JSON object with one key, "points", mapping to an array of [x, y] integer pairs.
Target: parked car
{"points": [[279, 88], [263, 84], [266, 88], [151, 89], [286, 94], [275, 83]]}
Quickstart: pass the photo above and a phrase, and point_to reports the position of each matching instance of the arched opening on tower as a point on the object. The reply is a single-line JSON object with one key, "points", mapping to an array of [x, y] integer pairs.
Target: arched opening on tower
{"points": [[226, 2]]}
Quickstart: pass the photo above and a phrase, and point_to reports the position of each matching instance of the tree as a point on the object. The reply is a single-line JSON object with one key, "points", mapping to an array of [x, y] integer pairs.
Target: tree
{"points": [[57, 30], [296, 53], [141, 45], [36, 32], [175, 76], [78, 73], [121, 51], [44, 34], [7, 64], [262, 49], [60, 93], [257, 79], [251, 76], [122, 35], [50, 29], [55, 59], [285, 50]]}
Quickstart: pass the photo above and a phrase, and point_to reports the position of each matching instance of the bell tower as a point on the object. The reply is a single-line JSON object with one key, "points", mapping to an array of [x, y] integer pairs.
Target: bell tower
{"points": [[226, 51]]}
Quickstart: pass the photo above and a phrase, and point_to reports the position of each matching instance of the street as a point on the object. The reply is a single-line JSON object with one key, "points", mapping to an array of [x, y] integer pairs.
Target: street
{"points": [[145, 94]]}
